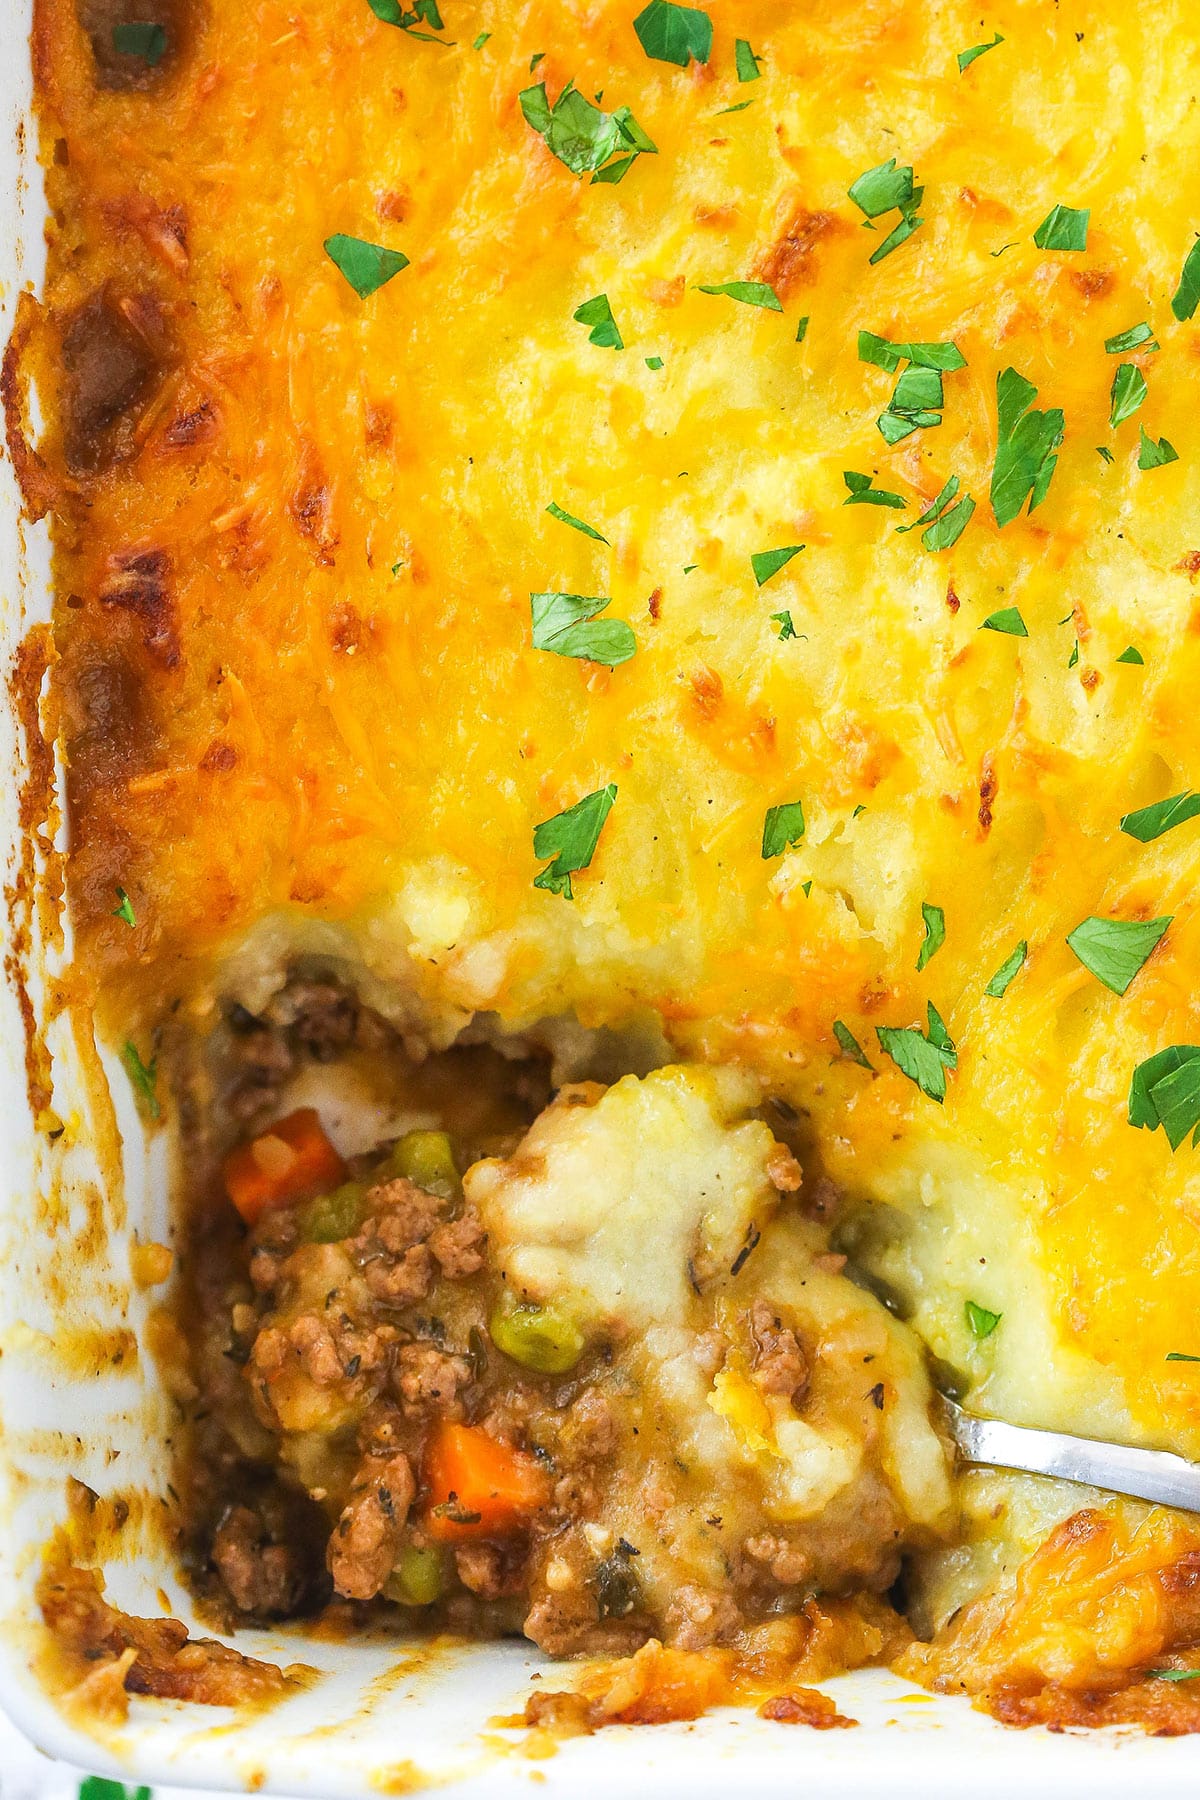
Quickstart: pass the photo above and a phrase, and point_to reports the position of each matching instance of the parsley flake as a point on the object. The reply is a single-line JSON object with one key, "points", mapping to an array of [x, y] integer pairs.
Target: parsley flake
{"points": [[1026, 447], [1008, 971], [584, 138], [566, 625], [883, 189], [850, 1046], [784, 622], [1153, 455], [598, 315], [1073, 659], [1008, 620], [1187, 295], [886, 355], [745, 61], [1182, 1356], [1131, 654], [143, 1077], [1128, 392], [913, 406], [1113, 950], [935, 933], [144, 39], [1102, 450], [1165, 1091], [1150, 822], [365, 266], [1063, 228], [766, 563], [924, 1056], [1173, 1674], [481, 40], [566, 518], [674, 34], [571, 837], [783, 827], [863, 492], [654, 362], [802, 329], [980, 1321], [750, 293], [1131, 340], [945, 522], [124, 910], [967, 57], [422, 12]]}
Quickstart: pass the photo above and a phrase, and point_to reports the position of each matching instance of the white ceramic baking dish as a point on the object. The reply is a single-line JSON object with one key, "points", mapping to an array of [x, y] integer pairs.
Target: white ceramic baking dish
{"points": [[382, 1716]]}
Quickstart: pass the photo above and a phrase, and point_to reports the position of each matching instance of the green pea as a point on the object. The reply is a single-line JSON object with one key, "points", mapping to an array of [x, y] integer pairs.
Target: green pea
{"points": [[426, 1158], [416, 1579], [537, 1337], [331, 1217]]}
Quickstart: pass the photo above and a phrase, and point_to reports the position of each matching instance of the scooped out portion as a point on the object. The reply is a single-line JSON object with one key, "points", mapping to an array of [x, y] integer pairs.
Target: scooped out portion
{"points": [[611, 1386]]}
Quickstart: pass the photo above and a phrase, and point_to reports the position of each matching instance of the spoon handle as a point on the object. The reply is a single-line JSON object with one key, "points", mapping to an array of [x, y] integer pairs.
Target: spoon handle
{"points": [[1146, 1474]]}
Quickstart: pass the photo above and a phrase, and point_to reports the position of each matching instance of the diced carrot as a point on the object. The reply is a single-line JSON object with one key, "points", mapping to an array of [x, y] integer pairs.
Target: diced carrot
{"points": [[292, 1161], [477, 1487]]}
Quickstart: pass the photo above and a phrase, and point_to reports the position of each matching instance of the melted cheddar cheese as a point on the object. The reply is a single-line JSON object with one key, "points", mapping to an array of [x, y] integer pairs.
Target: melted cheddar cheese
{"points": [[300, 700]]}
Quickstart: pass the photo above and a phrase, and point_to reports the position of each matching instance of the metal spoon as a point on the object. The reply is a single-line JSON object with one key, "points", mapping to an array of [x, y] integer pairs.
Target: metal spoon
{"points": [[1146, 1474]]}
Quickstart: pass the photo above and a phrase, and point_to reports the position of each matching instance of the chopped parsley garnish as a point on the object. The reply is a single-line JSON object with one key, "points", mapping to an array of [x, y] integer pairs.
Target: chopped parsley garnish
{"points": [[422, 12], [598, 315], [1172, 1674], [1007, 620], [1153, 455], [883, 188], [125, 909], [365, 266], [913, 406], [1073, 659], [766, 563], [782, 827], [802, 329], [1182, 1356], [1063, 228], [1008, 971], [924, 1056], [1131, 654], [1131, 340], [1026, 447], [745, 61], [850, 1045], [980, 1321], [566, 625], [935, 933], [674, 34], [945, 522], [967, 57], [887, 355], [1128, 392], [481, 40], [1165, 1091], [566, 518], [1115, 949], [654, 362], [571, 837], [1102, 450], [147, 40], [740, 107], [750, 293], [863, 492], [1150, 822], [142, 1076], [887, 188], [537, 57], [1187, 295], [784, 622], [582, 136]]}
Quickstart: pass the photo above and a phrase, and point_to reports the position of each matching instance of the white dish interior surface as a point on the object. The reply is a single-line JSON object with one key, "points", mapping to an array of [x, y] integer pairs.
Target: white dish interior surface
{"points": [[384, 1716]]}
